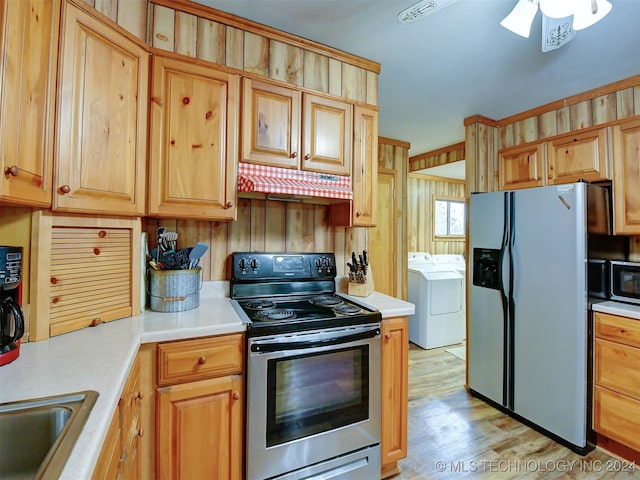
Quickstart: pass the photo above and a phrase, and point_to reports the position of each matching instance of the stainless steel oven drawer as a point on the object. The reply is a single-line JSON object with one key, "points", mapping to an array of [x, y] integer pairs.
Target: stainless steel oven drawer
{"points": [[362, 464]]}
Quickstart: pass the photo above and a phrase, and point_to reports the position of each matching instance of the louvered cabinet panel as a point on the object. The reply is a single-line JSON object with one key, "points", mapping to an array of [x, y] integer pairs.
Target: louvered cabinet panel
{"points": [[90, 277], [89, 272]]}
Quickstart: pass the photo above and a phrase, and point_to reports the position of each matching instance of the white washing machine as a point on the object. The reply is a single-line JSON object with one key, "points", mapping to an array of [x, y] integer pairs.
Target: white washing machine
{"points": [[439, 319], [456, 263]]}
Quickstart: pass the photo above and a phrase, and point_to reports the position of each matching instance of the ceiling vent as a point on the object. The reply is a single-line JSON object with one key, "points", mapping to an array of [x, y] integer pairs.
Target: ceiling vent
{"points": [[422, 9]]}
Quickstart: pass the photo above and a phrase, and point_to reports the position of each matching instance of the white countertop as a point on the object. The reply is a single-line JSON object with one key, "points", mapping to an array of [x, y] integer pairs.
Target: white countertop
{"points": [[618, 308], [100, 359]]}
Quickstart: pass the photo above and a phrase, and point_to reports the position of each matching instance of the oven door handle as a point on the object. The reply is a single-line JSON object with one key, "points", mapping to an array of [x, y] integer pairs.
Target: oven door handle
{"points": [[268, 347]]}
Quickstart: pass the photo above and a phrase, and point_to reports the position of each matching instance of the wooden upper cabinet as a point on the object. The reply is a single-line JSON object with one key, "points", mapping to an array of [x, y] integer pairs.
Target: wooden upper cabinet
{"points": [[521, 166], [29, 46], [578, 156], [365, 166], [193, 145], [283, 127], [361, 212], [102, 119], [626, 177], [327, 135], [271, 124]]}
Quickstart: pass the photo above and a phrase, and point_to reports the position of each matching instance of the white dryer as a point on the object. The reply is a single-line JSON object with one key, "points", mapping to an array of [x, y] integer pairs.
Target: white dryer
{"points": [[437, 295]]}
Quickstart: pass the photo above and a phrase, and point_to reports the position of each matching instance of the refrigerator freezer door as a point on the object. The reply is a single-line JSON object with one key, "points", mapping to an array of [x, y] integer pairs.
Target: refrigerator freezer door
{"points": [[486, 333], [550, 322]]}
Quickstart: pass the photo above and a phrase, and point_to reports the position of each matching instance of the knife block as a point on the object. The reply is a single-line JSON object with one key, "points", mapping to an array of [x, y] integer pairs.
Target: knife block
{"points": [[362, 289]]}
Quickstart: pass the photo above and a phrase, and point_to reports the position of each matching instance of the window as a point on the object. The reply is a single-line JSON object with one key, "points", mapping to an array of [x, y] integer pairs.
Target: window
{"points": [[449, 217]]}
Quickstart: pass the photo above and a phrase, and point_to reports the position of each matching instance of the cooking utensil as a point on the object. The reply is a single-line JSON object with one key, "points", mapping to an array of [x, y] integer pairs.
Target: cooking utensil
{"points": [[159, 235], [182, 258], [197, 251], [170, 240]]}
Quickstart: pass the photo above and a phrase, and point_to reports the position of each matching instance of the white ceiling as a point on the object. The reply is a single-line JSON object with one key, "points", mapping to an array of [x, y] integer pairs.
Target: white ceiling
{"points": [[458, 61]]}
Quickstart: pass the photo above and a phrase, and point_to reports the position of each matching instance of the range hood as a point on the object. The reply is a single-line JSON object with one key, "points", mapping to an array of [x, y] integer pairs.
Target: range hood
{"points": [[285, 184]]}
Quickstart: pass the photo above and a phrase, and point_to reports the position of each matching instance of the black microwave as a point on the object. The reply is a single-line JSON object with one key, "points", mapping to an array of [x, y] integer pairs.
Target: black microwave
{"points": [[625, 281], [598, 278]]}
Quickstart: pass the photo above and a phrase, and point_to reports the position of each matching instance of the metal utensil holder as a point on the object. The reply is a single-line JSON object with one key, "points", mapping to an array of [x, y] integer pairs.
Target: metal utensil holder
{"points": [[174, 290]]}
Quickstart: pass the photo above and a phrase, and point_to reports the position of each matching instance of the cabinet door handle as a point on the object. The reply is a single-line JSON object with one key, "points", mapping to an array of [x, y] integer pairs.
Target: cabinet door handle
{"points": [[229, 204], [202, 360], [358, 213], [139, 395], [141, 432], [64, 189], [236, 395], [307, 156], [13, 170], [294, 154], [95, 322], [387, 336]]}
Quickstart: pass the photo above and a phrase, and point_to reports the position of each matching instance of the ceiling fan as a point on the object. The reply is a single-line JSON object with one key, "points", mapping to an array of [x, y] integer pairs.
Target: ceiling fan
{"points": [[560, 19]]}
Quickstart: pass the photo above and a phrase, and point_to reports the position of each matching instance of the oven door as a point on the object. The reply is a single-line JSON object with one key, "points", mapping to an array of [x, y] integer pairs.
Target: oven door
{"points": [[311, 397]]}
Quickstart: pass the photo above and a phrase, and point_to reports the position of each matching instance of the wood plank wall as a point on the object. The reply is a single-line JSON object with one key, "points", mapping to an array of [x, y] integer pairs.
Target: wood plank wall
{"points": [[421, 191], [595, 107], [393, 155], [442, 156], [264, 225], [187, 29]]}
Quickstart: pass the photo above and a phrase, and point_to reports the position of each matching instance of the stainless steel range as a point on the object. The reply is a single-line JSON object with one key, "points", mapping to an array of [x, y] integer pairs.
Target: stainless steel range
{"points": [[313, 380]]}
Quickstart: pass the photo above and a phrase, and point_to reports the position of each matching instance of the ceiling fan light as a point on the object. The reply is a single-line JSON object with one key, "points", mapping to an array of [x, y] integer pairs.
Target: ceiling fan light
{"points": [[521, 17], [558, 8], [585, 17]]}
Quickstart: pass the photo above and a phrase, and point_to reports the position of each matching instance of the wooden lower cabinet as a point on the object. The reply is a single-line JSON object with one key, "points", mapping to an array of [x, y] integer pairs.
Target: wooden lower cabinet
{"points": [[200, 429], [395, 393], [200, 422], [108, 464], [120, 457], [626, 175], [616, 398]]}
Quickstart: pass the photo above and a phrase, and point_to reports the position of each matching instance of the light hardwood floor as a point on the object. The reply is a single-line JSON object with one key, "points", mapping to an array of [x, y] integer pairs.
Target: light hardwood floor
{"points": [[454, 435]]}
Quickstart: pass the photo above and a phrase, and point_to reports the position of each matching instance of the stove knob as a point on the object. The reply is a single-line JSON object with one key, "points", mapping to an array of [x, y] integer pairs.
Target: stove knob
{"points": [[242, 264], [255, 264]]}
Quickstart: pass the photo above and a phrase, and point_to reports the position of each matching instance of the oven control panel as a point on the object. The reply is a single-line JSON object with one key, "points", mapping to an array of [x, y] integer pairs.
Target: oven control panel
{"points": [[255, 266]]}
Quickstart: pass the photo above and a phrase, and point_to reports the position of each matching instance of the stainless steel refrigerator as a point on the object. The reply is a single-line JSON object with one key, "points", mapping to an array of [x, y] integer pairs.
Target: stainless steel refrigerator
{"points": [[528, 307]]}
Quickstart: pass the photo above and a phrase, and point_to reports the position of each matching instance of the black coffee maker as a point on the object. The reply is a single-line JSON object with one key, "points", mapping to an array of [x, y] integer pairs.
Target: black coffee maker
{"points": [[11, 317]]}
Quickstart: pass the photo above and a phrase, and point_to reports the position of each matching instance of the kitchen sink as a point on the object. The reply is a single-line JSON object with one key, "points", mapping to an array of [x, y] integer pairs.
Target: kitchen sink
{"points": [[37, 435]]}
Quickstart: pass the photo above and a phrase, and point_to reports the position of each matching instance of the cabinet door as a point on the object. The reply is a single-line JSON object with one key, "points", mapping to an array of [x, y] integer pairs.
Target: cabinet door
{"points": [[361, 211], [194, 131], [107, 466], [200, 429], [365, 167], [578, 156], [131, 418], [617, 416], [270, 124], [626, 177], [29, 46], [327, 135], [102, 122], [395, 391], [521, 167]]}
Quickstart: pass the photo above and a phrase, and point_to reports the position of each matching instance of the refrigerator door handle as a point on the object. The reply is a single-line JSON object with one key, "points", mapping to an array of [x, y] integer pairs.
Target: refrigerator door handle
{"points": [[510, 332], [504, 247]]}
